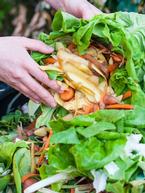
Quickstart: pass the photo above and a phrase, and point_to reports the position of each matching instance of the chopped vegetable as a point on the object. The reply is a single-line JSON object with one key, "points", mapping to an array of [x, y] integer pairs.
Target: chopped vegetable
{"points": [[112, 68], [127, 95], [117, 58], [27, 176], [103, 149], [110, 100], [49, 60], [46, 182], [99, 182], [46, 145], [67, 94], [89, 109], [120, 106], [28, 182]]}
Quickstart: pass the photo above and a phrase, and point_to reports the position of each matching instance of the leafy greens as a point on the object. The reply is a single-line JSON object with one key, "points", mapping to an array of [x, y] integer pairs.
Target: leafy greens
{"points": [[97, 142]]}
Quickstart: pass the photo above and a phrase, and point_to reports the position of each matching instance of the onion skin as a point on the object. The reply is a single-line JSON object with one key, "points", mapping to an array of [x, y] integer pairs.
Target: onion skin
{"points": [[29, 182], [110, 100]]}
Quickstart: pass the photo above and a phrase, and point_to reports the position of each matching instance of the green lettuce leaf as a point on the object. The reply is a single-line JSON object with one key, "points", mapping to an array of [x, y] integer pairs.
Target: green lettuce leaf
{"points": [[94, 153], [59, 157], [135, 118], [117, 187], [65, 22], [45, 117], [54, 75], [95, 129], [21, 166], [4, 181], [111, 116], [68, 136], [7, 151]]}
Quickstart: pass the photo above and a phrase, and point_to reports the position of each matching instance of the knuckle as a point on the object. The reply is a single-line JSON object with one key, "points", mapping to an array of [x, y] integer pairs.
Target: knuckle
{"points": [[52, 83], [13, 82], [44, 78], [45, 96], [17, 75]]}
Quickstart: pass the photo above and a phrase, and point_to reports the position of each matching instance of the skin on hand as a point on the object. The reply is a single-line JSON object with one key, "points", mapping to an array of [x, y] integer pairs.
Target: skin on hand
{"points": [[78, 8], [21, 72]]}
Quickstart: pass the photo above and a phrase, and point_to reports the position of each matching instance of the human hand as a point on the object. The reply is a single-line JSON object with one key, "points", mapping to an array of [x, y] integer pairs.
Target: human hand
{"points": [[79, 8], [21, 72]]}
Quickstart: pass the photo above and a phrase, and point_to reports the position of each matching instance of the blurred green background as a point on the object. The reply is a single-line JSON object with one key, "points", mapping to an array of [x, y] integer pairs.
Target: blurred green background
{"points": [[14, 12]]}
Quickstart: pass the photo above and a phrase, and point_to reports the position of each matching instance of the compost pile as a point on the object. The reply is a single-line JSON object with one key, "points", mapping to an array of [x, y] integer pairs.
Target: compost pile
{"points": [[94, 140]]}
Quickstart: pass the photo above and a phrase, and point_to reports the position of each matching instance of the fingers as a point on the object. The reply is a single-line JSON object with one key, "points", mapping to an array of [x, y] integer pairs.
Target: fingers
{"points": [[90, 11], [32, 89], [36, 45], [39, 91], [26, 91], [41, 76]]}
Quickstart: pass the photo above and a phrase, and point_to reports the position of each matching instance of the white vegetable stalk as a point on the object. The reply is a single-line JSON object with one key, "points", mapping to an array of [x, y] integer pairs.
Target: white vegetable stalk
{"points": [[111, 168], [133, 144], [100, 180], [46, 182]]}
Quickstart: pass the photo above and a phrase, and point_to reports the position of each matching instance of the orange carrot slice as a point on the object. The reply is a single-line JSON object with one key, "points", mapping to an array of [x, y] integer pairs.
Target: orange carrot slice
{"points": [[68, 94], [127, 95], [49, 60], [112, 68], [120, 106], [47, 142]]}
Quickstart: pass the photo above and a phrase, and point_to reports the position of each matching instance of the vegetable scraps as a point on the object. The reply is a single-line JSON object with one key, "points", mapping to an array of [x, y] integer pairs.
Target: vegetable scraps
{"points": [[94, 140], [102, 136]]}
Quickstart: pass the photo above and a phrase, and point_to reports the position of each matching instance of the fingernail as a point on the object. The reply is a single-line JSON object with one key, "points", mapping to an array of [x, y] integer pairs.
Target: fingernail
{"points": [[37, 102], [61, 90], [53, 105]]}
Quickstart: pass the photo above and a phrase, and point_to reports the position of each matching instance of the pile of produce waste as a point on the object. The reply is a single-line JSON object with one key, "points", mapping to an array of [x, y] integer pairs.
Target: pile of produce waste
{"points": [[94, 140]]}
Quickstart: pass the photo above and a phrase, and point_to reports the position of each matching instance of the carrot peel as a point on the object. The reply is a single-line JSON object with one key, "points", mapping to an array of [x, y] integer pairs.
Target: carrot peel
{"points": [[120, 106], [49, 60], [41, 158], [112, 68], [127, 94], [27, 176]]}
